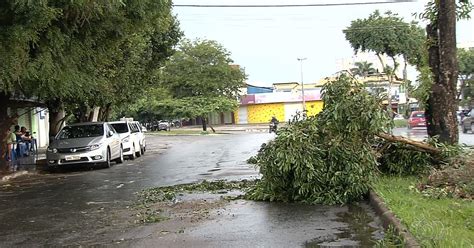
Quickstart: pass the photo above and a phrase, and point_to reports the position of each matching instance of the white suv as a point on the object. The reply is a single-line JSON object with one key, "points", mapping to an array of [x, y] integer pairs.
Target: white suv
{"points": [[140, 135], [130, 138]]}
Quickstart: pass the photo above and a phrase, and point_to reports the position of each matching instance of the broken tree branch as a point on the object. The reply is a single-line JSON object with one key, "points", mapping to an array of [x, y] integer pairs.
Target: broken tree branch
{"points": [[417, 144]]}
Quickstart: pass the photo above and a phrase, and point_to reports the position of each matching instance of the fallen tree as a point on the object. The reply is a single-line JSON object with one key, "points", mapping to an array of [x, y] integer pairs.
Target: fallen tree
{"points": [[333, 158]]}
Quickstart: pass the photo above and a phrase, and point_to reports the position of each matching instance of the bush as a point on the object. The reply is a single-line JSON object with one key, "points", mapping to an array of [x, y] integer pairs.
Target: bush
{"points": [[325, 159]]}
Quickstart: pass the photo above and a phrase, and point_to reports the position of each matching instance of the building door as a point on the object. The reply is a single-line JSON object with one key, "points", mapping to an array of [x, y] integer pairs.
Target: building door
{"points": [[243, 115]]}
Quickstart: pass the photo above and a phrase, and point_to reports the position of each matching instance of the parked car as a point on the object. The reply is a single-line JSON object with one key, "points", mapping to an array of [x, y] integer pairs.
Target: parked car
{"points": [[163, 125], [130, 140], [468, 122], [417, 119], [93, 143], [141, 136]]}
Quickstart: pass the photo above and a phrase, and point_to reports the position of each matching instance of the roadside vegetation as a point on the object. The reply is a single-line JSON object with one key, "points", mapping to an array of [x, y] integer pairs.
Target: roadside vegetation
{"points": [[400, 123], [435, 219]]}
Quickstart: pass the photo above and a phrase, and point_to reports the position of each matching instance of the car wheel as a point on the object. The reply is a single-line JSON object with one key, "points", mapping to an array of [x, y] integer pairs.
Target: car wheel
{"points": [[139, 152], [134, 154], [119, 160], [142, 149], [107, 163]]}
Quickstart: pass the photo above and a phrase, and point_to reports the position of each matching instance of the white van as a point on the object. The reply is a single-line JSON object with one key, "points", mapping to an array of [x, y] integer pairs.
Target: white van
{"points": [[140, 135], [130, 138]]}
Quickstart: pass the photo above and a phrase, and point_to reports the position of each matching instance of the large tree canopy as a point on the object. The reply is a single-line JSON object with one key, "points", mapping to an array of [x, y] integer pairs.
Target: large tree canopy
{"points": [[200, 78], [391, 36], [386, 35], [81, 54]]}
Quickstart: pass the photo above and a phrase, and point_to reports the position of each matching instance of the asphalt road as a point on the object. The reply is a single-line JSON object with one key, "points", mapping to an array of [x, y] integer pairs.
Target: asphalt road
{"points": [[420, 134], [87, 207]]}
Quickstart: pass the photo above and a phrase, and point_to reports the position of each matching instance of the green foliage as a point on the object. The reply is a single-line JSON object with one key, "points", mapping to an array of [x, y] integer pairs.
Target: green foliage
{"points": [[363, 69], [198, 79], [400, 159], [84, 53], [391, 239], [434, 222], [325, 159], [386, 34], [466, 75], [169, 193]]}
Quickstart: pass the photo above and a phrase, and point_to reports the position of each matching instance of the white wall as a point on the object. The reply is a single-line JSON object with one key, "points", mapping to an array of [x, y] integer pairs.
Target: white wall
{"points": [[42, 120]]}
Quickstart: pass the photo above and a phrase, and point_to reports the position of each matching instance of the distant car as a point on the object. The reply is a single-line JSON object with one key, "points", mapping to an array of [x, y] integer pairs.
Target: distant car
{"points": [[130, 139], [92, 143], [468, 122], [163, 125], [417, 119], [398, 117]]}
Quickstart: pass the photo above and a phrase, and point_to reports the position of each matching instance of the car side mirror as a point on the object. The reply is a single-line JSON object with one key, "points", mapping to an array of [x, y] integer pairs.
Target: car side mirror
{"points": [[111, 133]]}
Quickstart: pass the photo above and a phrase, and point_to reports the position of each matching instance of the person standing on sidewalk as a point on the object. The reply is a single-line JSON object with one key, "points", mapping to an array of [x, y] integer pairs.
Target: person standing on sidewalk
{"points": [[11, 140]]}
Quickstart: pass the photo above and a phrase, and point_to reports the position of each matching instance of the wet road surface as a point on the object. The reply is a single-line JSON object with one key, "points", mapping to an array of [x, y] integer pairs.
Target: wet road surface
{"points": [[420, 134], [80, 206]]}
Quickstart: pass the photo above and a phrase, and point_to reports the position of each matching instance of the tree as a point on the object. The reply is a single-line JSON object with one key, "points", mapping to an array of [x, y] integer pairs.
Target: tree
{"points": [[466, 75], [442, 100], [73, 56], [363, 69], [387, 35], [201, 79]]}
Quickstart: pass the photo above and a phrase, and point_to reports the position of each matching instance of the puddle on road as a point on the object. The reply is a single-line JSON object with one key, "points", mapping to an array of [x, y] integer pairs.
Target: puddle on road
{"points": [[363, 229]]}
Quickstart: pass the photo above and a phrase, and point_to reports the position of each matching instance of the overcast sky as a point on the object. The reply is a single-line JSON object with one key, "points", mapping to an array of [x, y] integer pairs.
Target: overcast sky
{"points": [[268, 41]]}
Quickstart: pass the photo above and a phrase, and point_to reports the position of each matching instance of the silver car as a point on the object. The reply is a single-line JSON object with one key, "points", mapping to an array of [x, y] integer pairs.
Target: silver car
{"points": [[94, 142]]}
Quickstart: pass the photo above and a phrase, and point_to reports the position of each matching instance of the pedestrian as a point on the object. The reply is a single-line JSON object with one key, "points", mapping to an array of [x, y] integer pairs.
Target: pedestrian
{"points": [[11, 140]]}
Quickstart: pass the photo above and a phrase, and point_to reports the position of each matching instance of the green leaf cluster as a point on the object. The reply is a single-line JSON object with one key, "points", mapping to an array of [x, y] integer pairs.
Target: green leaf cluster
{"points": [[198, 79], [84, 53], [386, 34], [328, 158]]}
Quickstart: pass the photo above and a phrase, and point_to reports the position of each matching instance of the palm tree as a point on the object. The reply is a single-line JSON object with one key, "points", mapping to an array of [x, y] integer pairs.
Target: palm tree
{"points": [[363, 69]]}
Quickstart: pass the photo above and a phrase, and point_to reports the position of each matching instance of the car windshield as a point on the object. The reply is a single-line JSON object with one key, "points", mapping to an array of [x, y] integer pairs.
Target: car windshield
{"points": [[419, 115], [83, 131], [120, 127]]}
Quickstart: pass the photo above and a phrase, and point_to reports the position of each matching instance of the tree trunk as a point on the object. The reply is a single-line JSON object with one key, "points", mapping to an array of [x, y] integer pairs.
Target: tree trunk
{"points": [[442, 103], [105, 114], [56, 116], [204, 124]]}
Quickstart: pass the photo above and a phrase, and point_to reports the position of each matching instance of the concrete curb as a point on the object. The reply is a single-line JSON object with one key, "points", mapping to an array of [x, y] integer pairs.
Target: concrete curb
{"points": [[389, 219]]}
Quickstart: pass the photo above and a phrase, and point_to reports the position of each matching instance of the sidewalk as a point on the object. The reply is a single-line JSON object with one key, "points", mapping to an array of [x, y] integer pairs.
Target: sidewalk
{"points": [[231, 128], [21, 166]]}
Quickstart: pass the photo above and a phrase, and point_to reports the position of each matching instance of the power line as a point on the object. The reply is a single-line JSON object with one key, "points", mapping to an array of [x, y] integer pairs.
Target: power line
{"points": [[287, 5]]}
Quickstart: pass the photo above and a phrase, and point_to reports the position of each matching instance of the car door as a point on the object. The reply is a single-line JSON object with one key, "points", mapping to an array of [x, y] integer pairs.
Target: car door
{"points": [[113, 140], [135, 135]]}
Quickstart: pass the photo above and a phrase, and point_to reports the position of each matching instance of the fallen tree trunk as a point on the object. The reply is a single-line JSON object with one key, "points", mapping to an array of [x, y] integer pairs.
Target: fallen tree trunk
{"points": [[416, 144]]}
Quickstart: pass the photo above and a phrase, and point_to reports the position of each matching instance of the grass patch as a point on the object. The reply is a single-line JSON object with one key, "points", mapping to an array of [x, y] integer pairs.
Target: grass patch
{"points": [[400, 123], [391, 239], [444, 222]]}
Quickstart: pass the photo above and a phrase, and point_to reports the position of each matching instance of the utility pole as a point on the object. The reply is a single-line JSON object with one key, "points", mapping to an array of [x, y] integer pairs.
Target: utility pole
{"points": [[302, 84]]}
